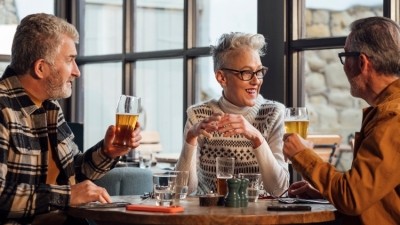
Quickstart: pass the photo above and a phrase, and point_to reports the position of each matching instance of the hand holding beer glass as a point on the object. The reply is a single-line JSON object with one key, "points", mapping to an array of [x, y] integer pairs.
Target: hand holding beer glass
{"points": [[225, 170], [126, 118], [296, 121]]}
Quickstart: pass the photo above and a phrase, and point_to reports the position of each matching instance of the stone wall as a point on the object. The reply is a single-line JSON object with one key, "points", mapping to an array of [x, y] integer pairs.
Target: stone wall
{"points": [[332, 109]]}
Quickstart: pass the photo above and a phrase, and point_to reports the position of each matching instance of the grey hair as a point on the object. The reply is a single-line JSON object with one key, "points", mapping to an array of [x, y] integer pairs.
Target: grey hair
{"points": [[233, 41], [379, 39], [39, 36]]}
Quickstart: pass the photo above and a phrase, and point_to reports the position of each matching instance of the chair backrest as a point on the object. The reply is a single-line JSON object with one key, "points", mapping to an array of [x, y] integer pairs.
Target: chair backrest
{"points": [[127, 181], [326, 145], [77, 129]]}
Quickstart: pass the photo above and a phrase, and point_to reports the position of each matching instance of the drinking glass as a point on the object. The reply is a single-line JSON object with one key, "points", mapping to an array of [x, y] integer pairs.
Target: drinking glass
{"points": [[296, 121], [126, 117], [253, 188], [181, 185], [163, 187], [225, 170], [170, 187], [145, 159]]}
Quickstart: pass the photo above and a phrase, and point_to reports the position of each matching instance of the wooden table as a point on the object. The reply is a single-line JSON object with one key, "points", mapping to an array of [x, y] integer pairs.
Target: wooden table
{"points": [[255, 213]]}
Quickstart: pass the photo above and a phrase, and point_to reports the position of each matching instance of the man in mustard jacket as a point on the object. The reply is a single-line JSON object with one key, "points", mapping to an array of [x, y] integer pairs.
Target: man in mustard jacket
{"points": [[368, 193]]}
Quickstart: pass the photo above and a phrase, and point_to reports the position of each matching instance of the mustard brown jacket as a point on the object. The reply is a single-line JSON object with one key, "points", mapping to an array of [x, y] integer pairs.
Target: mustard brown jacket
{"points": [[368, 193]]}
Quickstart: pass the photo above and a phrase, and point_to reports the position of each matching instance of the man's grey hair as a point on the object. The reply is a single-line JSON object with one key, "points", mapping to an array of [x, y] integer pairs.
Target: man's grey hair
{"points": [[39, 36], [379, 39]]}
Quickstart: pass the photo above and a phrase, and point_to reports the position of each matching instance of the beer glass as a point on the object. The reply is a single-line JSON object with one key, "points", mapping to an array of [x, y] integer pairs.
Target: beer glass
{"points": [[296, 121], [126, 117], [225, 170]]}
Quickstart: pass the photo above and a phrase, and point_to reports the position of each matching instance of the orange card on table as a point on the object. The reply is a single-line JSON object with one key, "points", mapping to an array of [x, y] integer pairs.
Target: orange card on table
{"points": [[153, 208]]}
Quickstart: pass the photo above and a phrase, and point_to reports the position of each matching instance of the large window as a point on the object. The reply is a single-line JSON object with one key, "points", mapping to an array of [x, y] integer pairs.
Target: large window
{"points": [[158, 51], [319, 34], [12, 11]]}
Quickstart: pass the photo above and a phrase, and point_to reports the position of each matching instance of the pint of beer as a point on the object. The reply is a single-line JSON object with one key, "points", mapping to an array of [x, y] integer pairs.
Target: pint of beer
{"points": [[126, 118], [222, 186], [296, 121], [225, 170], [297, 126]]}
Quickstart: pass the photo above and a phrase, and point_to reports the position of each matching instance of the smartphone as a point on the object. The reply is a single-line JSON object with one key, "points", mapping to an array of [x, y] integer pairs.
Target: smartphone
{"points": [[104, 205], [289, 208]]}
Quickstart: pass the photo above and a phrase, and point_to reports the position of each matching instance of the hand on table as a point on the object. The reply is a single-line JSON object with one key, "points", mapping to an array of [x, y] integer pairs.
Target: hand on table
{"points": [[302, 189], [87, 191]]}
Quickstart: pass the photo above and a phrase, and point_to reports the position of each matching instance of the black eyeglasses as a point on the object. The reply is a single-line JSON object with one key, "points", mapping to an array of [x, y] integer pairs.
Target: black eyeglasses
{"points": [[343, 55], [246, 75]]}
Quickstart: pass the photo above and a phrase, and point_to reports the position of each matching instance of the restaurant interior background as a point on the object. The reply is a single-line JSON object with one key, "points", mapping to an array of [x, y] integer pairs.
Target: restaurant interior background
{"points": [[159, 50]]}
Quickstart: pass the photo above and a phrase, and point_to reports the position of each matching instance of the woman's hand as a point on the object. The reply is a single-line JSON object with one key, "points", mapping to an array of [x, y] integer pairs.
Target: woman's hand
{"points": [[114, 151], [232, 124], [204, 127]]}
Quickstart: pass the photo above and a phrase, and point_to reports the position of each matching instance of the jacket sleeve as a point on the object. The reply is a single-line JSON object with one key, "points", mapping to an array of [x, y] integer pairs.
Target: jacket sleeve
{"points": [[374, 174]]}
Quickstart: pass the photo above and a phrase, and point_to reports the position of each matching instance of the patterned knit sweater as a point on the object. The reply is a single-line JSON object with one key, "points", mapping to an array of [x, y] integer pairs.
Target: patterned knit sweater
{"points": [[200, 160]]}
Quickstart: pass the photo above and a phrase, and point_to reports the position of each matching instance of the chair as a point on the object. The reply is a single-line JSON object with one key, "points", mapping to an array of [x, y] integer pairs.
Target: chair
{"points": [[150, 142], [127, 181], [77, 129], [326, 146]]}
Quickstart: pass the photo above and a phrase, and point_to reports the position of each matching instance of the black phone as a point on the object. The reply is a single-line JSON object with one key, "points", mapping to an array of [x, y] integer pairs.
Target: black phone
{"points": [[289, 208], [103, 205]]}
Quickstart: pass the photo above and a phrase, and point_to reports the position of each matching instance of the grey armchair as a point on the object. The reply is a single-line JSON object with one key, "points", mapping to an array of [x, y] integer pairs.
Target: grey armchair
{"points": [[127, 181]]}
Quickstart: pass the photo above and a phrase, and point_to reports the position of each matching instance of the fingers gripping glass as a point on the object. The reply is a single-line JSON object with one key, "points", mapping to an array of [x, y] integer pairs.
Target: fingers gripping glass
{"points": [[246, 75], [343, 55]]}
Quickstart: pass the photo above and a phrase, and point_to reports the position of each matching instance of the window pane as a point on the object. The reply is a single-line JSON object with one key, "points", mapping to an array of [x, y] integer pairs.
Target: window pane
{"points": [[102, 88], [160, 84], [331, 107], [11, 14], [158, 25], [207, 85], [3, 66], [326, 18], [103, 27], [214, 18]]}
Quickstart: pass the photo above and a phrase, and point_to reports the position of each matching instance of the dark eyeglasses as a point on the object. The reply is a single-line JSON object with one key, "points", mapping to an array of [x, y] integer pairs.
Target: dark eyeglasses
{"points": [[343, 55], [246, 75]]}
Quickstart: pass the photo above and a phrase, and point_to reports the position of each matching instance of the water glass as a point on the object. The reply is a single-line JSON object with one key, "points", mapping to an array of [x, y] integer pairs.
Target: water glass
{"points": [[145, 159], [181, 185], [163, 188], [253, 188], [170, 187]]}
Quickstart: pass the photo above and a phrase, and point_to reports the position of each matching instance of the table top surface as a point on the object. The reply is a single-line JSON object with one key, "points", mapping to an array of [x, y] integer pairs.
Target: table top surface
{"points": [[255, 213]]}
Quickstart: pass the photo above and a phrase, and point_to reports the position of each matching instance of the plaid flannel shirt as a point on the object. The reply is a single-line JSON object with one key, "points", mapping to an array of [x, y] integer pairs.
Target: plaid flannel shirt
{"points": [[25, 131]]}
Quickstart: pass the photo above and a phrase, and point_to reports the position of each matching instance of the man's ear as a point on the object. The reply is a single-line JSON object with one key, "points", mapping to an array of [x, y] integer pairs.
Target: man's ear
{"points": [[220, 76], [364, 64], [39, 68]]}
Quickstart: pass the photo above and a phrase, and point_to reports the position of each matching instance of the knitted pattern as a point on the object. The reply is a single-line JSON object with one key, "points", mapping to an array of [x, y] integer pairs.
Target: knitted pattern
{"points": [[262, 115]]}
